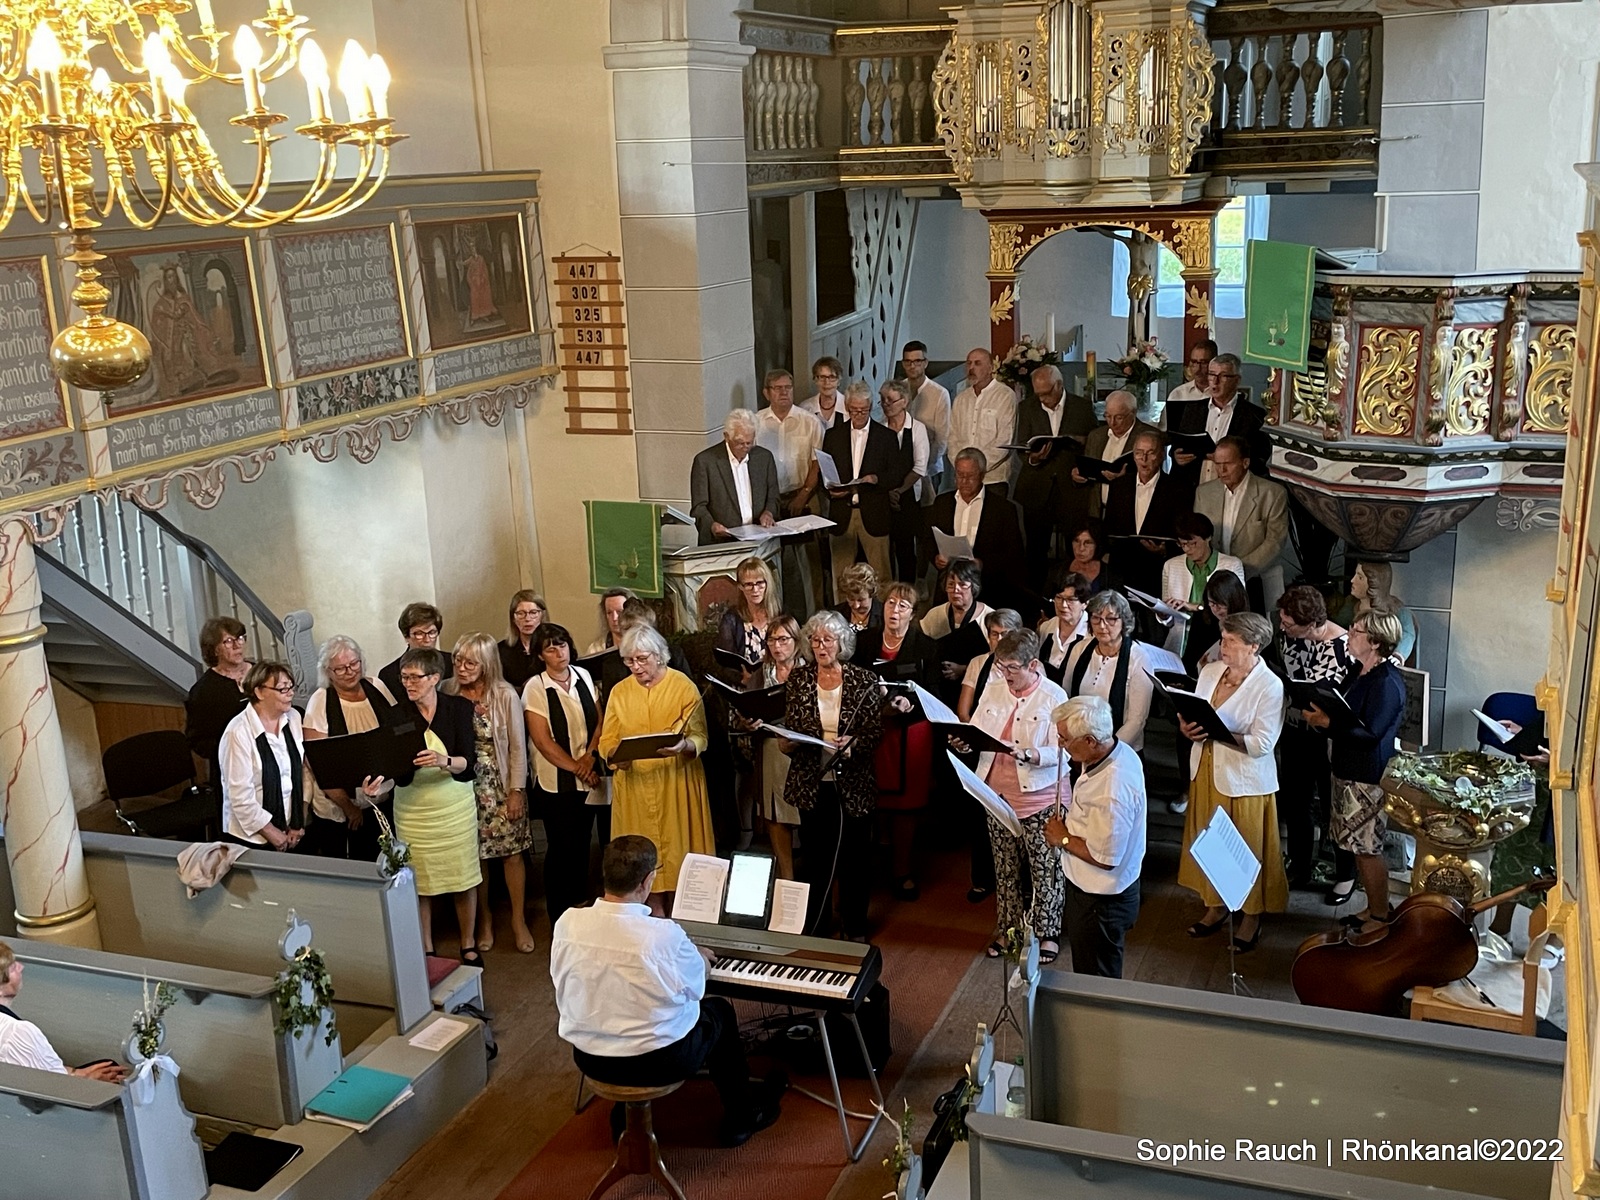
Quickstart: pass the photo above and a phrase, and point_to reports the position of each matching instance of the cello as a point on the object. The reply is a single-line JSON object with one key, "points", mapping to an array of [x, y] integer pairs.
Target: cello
{"points": [[1428, 941]]}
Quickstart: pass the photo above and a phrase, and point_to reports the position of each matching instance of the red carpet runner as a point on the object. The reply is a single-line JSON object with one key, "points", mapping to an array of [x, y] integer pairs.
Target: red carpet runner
{"points": [[927, 947]]}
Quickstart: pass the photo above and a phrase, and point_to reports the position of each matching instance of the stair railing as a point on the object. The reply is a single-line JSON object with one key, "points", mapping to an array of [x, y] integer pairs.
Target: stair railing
{"points": [[171, 581]]}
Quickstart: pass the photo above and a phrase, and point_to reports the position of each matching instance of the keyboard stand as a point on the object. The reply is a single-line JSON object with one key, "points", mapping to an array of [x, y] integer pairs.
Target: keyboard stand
{"points": [[852, 1149]]}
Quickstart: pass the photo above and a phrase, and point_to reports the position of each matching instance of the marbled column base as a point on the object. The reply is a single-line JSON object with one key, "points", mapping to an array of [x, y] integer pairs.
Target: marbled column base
{"points": [[83, 931]]}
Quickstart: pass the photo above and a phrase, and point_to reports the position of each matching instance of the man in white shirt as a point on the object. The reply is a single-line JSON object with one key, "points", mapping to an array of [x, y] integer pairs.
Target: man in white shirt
{"points": [[1102, 838], [23, 1044], [931, 405], [1108, 443], [1194, 383], [984, 416], [630, 995], [793, 436]]}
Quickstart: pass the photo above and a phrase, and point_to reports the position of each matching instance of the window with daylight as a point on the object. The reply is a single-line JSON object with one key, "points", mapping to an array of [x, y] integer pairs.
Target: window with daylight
{"points": [[1244, 218]]}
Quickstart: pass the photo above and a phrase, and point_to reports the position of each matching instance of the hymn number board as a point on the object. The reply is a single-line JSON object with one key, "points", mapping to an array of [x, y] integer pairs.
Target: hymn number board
{"points": [[593, 344]]}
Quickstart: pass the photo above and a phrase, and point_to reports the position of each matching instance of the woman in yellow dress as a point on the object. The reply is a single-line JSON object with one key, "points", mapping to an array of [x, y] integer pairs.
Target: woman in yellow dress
{"points": [[435, 805], [1240, 778], [662, 798]]}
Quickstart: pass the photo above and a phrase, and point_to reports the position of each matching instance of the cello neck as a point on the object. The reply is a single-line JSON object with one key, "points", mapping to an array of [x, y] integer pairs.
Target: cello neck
{"points": [[1533, 885]]}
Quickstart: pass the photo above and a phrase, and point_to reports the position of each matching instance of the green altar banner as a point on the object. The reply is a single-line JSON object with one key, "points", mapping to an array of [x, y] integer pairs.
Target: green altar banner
{"points": [[624, 546], [1277, 303]]}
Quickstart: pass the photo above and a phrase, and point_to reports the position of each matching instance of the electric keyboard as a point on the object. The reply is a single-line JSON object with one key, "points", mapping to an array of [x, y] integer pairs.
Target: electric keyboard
{"points": [[757, 964]]}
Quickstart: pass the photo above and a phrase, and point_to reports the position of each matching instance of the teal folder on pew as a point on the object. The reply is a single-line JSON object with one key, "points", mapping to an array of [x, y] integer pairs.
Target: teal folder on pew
{"points": [[359, 1097]]}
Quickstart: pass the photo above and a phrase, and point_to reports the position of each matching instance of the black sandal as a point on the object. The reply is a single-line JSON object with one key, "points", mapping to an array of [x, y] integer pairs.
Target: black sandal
{"points": [[1046, 957], [996, 949], [472, 956]]}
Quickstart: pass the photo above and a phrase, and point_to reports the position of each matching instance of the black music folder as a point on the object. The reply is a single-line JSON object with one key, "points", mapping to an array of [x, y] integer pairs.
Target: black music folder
{"points": [[761, 704], [247, 1162], [596, 663], [1035, 444], [1197, 444], [736, 662], [1197, 710], [1176, 679], [389, 750], [1099, 468], [1303, 693]]}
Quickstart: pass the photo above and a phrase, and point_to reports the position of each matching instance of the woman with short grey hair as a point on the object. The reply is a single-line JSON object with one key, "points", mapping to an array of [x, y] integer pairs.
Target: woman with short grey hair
{"points": [[663, 798], [347, 700], [833, 701], [1111, 665]]}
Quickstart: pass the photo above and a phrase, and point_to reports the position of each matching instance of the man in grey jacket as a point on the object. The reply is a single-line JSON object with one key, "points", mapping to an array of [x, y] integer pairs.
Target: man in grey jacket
{"points": [[733, 483]]}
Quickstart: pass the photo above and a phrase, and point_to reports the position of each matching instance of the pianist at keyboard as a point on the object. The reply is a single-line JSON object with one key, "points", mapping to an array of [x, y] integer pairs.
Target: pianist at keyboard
{"points": [[630, 992]]}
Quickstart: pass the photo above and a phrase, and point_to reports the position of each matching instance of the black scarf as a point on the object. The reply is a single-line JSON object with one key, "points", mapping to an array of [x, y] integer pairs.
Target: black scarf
{"points": [[566, 781], [982, 679], [1047, 652], [381, 708], [272, 782], [9, 1013], [1119, 677]]}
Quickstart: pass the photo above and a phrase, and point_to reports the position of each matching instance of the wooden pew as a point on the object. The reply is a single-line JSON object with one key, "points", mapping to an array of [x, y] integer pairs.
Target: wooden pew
{"points": [[67, 1138], [220, 1031], [365, 925]]}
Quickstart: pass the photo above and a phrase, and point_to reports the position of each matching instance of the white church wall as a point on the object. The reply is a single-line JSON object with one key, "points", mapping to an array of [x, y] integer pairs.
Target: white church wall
{"points": [[1541, 115]]}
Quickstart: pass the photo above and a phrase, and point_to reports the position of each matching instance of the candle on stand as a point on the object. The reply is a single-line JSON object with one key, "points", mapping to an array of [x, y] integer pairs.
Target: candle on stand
{"points": [[44, 60], [247, 53], [353, 82], [1050, 331], [157, 62], [1088, 375], [208, 20], [314, 66]]}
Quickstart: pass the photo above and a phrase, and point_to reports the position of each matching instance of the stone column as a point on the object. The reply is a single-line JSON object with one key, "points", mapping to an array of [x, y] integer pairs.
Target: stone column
{"points": [[677, 78], [41, 823]]}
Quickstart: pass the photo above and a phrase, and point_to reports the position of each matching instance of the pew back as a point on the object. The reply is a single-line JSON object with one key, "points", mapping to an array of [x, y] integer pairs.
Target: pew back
{"points": [[366, 926], [220, 1031], [66, 1138]]}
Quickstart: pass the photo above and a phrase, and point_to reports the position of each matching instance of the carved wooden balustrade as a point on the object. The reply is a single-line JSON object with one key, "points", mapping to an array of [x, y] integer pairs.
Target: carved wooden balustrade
{"points": [[1425, 396], [1296, 95], [829, 102]]}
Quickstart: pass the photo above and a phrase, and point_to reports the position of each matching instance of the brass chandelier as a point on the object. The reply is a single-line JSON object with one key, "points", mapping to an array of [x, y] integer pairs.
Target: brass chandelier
{"points": [[96, 120]]}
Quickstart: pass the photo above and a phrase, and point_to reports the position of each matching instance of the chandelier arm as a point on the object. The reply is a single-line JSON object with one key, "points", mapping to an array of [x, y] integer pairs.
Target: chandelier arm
{"points": [[178, 43], [327, 171], [286, 48], [113, 39], [214, 183], [344, 204]]}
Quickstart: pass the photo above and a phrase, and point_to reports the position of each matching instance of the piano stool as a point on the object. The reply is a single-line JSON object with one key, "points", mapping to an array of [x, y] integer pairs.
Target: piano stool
{"points": [[638, 1152]]}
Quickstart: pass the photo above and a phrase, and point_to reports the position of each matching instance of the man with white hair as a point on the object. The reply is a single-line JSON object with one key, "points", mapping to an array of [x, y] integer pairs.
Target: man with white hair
{"points": [[1101, 838], [1108, 443], [984, 415], [733, 483]]}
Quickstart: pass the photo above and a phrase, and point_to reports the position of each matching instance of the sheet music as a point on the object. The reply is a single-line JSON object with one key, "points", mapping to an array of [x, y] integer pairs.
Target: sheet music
{"points": [[439, 1034], [829, 470], [933, 708], [1503, 734], [993, 803], [676, 514], [804, 739], [789, 899], [1225, 860], [951, 546], [1159, 606], [701, 882], [1159, 659], [789, 527], [643, 745]]}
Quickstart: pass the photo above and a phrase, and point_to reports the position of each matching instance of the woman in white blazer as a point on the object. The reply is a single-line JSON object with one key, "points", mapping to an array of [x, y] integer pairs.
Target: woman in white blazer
{"points": [[1111, 665], [1242, 780], [1184, 578]]}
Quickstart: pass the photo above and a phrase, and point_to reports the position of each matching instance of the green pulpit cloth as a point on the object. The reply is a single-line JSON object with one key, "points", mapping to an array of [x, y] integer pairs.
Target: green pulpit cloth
{"points": [[624, 546], [1277, 303]]}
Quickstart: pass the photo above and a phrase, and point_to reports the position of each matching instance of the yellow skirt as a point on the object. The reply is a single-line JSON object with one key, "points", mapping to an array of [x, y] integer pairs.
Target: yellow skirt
{"points": [[437, 816], [1256, 818]]}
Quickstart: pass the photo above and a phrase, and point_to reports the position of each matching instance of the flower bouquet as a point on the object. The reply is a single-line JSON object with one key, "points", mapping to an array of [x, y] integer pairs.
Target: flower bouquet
{"points": [[1142, 365], [1023, 359]]}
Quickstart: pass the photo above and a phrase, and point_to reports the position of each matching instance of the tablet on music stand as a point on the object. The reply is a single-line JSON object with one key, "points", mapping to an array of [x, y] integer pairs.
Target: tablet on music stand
{"points": [[748, 900]]}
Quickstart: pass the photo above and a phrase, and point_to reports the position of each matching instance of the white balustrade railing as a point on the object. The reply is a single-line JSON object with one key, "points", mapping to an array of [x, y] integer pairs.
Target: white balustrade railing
{"points": [[168, 581]]}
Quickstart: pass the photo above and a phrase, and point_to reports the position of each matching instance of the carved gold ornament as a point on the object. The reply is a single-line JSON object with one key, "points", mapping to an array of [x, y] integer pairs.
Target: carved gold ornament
{"points": [[1194, 80], [1469, 382], [1197, 307], [1386, 386], [1001, 308], [1005, 247], [1140, 287], [1548, 397]]}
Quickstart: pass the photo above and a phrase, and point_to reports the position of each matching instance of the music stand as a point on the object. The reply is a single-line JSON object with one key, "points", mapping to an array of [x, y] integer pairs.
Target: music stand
{"points": [[1231, 868]]}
